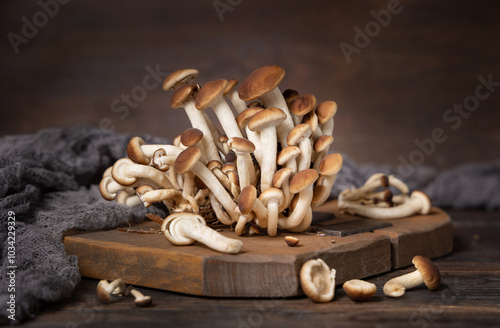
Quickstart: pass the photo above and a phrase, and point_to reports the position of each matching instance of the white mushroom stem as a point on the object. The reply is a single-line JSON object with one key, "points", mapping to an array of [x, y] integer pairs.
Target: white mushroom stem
{"points": [[272, 217], [199, 121], [274, 98], [216, 188], [268, 142], [219, 211], [396, 287], [128, 197], [226, 118], [261, 213], [254, 137], [242, 221], [126, 172], [305, 154], [186, 228], [306, 222], [300, 211], [237, 102]]}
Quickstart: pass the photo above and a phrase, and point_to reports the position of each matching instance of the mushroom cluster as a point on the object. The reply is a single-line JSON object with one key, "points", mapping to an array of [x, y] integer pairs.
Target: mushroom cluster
{"points": [[369, 201], [264, 164]]}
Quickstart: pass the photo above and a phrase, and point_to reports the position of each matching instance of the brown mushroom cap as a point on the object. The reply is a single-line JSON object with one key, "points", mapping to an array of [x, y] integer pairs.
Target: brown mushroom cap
{"points": [[322, 143], [241, 145], [298, 133], [231, 83], [247, 199], [326, 110], [359, 290], [228, 167], [209, 92], [290, 95], [265, 118], [331, 164], [261, 81], [214, 164], [429, 271], [272, 194], [134, 151], [183, 94], [179, 77], [286, 154], [303, 104], [302, 180], [191, 137], [187, 159], [281, 176], [244, 116]]}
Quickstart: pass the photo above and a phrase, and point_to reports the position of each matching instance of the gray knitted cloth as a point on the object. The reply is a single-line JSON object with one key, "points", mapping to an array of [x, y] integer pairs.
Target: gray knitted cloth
{"points": [[49, 184]]}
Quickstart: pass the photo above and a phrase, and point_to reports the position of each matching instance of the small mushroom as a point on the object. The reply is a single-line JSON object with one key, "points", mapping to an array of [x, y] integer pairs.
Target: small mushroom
{"points": [[179, 78], [287, 156], [248, 202], [140, 299], [299, 136], [281, 180], [105, 290], [127, 173], [272, 198], [417, 203], [291, 241], [187, 228], [359, 290], [242, 121], [321, 147], [318, 280], [427, 272], [300, 106], [290, 95], [246, 171], [328, 170], [325, 112], [265, 122]]}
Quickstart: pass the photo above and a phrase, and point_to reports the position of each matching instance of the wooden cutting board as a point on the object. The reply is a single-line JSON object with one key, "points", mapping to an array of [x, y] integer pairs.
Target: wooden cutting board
{"points": [[267, 266]]}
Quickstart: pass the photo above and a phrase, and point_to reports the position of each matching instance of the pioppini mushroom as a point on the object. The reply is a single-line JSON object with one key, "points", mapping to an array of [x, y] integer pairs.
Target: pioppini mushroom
{"points": [[318, 280], [417, 203], [140, 299], [359, 290], [187, 228], [105, 291], [427, 272], [179, 78]]}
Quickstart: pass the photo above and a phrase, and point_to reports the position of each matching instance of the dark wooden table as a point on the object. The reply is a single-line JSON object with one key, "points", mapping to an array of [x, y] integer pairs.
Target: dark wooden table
{"points": [[469, 297]]}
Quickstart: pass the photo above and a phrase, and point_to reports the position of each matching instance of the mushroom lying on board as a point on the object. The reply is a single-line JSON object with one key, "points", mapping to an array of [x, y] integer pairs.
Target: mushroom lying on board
{"points": [[272, 148], [383, 205], [318, 280]]}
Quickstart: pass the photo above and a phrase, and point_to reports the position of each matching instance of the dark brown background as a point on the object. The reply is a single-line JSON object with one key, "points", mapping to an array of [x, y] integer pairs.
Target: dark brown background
{"points": [[393, 92]]}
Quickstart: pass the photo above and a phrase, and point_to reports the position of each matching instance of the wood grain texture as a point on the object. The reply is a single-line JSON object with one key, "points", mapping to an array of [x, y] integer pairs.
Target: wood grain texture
{"points": [[266, 267], [469, 297]]}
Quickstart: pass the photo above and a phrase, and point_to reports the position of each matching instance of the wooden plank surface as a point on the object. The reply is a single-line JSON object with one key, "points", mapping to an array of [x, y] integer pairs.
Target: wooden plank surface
{"points": [[266, 267], [469, 297]]}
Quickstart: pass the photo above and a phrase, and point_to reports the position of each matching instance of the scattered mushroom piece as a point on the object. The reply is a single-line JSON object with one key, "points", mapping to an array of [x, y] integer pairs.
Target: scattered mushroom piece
{"points": [[427, 272], [359, 290], [140, 299], [318, 280], [105, 290], [291, 241], [187, 228], [263, 83]]}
